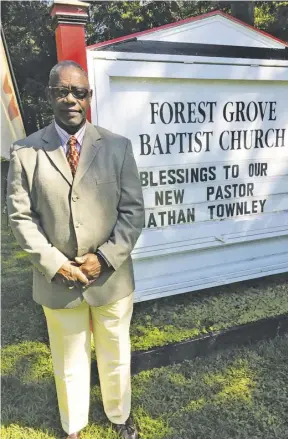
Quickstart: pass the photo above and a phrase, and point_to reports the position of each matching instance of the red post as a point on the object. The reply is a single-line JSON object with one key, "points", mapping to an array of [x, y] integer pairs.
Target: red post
{"points": [[69, 19]]}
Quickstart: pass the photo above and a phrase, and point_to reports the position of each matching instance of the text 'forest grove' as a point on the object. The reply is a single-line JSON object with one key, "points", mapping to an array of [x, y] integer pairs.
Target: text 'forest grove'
{"points": [[204, 112]]}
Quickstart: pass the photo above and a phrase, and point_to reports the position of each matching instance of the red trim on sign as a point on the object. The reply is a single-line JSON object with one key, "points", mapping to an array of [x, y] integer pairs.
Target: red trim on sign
{"points": [[255, 29], [180, 23]]}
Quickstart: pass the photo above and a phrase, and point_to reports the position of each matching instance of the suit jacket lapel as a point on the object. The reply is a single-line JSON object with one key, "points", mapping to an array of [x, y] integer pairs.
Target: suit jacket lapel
{"points": [[91, 144], [55, 152]]}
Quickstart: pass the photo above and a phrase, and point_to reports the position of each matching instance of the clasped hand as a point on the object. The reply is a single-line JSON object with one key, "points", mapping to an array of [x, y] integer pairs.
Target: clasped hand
{"points": [[85, 269]]}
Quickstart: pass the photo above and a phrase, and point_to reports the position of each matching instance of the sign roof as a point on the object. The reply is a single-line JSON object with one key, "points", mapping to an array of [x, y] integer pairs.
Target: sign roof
{"points": [[214, 27]]}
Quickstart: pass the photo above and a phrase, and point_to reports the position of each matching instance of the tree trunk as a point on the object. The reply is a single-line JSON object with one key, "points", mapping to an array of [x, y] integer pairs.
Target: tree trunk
{"points": [[243, 10]]}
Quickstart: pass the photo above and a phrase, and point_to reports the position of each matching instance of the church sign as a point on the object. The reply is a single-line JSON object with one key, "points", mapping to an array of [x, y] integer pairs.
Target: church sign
{"points": [[210, 138]]}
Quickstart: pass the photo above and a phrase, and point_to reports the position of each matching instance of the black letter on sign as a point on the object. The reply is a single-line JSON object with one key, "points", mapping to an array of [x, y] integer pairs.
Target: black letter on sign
{"points": [[145, 142], [153, 111]]}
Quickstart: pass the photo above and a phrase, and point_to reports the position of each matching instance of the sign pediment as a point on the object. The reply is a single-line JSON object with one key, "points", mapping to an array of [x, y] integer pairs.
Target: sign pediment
{"points": [[215, 29]]}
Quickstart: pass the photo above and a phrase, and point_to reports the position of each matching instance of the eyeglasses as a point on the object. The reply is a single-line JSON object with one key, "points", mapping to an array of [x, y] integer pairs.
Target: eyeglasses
{"points": [[63, 92]]}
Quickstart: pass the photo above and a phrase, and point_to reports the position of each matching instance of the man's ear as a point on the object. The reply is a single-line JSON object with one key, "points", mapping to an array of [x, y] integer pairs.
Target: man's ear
{"points": [[90, 95]]}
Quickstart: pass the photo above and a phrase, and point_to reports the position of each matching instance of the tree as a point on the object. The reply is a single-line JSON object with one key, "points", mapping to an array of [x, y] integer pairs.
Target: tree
{"points": [[272, 17], [30, 38], [31, 43], [113, 19]]}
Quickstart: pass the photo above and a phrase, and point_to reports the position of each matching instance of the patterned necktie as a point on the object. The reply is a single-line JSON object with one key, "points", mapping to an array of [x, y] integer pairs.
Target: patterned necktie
{"points": [[72, 154]]}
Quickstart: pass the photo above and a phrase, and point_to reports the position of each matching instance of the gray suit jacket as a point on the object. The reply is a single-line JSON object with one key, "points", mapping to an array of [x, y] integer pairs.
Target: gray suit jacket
{"points": [[55, 218]]}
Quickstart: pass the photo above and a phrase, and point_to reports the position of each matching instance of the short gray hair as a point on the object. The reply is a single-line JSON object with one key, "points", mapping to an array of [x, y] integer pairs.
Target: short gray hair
{"points": [[62, 64]]}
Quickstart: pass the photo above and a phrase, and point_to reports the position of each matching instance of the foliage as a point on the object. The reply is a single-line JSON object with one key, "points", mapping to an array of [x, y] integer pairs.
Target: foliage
{"points": [[113, 19], [30, 38], [31, 43], [272, 17]]}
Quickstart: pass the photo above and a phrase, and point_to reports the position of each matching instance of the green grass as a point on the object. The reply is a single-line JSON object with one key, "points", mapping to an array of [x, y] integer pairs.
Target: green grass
{"points": [[238, 394], [172, 319]]}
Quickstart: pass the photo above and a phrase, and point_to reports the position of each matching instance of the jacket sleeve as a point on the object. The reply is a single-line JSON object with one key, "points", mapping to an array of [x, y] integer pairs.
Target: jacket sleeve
{"points": [[25, 222], [130, 214]]}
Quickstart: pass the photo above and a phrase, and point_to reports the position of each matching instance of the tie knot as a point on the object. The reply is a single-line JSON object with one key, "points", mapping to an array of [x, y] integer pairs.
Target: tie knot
{"points": [[72, 141]]}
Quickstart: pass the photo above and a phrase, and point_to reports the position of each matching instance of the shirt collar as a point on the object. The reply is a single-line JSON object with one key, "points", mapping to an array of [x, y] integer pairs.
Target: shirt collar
{"points": [[64, 136]]}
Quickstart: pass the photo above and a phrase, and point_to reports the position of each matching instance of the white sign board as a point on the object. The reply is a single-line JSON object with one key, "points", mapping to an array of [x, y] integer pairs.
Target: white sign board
{"points": [[211, 145]]}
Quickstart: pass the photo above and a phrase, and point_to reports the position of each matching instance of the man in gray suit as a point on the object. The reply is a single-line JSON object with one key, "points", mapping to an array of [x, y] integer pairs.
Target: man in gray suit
{"points": [[75, 206]]}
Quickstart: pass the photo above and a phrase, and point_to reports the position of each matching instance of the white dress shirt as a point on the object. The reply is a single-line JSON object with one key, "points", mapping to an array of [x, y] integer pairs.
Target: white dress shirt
{"points": [[64, 137]]}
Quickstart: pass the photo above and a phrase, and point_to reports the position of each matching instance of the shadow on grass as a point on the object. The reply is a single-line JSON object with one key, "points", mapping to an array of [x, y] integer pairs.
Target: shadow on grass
{"points": [[22, 318], [29, 396], [241, 394], [33, 405]]}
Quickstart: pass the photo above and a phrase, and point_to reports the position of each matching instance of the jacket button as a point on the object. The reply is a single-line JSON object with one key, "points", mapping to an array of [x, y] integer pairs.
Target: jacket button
{"points": [[77, 225], [75, 198]]}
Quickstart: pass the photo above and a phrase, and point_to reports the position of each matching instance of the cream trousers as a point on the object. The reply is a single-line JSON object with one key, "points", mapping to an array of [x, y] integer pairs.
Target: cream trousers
{"points": [[70, 342]]}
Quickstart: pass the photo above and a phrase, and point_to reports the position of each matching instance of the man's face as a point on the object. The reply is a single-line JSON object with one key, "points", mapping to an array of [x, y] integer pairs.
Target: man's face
{"points": [[70, 111]]}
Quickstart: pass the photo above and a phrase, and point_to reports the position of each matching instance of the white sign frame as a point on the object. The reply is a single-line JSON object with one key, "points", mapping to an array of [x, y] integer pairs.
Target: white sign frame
{"points": [[266, 242]]}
